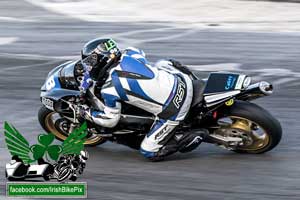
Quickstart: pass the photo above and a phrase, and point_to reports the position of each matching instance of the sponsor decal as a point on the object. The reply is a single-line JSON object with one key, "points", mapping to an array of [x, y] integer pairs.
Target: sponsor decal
{"points": [[161, 133], [50, 83], [229, 102], [48, 103], [240, 81], [230, 82], [179, 94], [110, 44]]}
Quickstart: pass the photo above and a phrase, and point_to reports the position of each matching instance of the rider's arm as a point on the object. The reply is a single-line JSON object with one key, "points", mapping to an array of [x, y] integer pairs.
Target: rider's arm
{"points": [[111, 113], [86, 80], [109, 117]]}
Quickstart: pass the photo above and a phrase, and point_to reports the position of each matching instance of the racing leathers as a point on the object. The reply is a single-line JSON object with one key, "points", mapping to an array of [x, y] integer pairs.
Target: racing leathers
{"points": [[160, 89]]}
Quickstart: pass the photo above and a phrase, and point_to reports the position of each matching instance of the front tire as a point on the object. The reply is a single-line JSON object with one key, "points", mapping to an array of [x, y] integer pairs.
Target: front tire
{"points": [[46, 121], [246, 113]]}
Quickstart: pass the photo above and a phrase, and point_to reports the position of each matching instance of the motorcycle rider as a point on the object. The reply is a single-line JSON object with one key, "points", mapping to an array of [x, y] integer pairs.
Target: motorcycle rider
{"points": [[164, 89]]}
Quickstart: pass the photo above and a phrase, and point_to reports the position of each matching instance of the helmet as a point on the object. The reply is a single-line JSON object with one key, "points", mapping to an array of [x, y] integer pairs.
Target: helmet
{"points": [[97, 53], [84, 155]]}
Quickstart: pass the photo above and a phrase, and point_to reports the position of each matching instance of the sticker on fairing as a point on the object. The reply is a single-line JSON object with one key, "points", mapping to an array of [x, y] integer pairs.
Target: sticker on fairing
{"points": [[222, 82], [240, 81], [110, 44], [50, 83], [48, 103], [231, 80]]}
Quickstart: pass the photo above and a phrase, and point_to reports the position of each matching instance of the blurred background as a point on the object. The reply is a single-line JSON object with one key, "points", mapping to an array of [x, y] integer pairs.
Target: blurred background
{"points": [[258, 38]]}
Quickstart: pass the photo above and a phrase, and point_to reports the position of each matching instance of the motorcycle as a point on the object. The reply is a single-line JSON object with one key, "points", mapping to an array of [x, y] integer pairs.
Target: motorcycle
{"points": [[68, 166], [221, 104]]}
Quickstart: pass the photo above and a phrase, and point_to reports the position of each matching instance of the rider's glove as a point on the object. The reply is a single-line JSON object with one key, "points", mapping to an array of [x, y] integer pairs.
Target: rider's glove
{"points": [[79, 69], [175, 63], [181, 67], [85, 84]]}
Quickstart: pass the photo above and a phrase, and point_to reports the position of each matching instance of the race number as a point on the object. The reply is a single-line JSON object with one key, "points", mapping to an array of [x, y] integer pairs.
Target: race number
{"points": [[50, 83], [110, 44]]}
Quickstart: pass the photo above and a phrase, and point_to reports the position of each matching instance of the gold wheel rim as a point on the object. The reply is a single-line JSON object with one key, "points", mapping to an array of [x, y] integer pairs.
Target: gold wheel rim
{"points": [[51, 127], [259, 141]]}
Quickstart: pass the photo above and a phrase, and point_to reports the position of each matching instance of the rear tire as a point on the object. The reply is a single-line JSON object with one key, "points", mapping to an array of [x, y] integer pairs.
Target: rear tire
{"points": [[65, 173], [43, 115], [261, 117]]}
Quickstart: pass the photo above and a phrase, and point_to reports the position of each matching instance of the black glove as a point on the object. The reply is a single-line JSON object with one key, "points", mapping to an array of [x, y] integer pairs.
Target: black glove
{"points": [[175, 63], [79, 69]]}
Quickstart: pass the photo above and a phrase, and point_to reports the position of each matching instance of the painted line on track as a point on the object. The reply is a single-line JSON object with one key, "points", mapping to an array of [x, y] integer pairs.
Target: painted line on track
{"points": [[8, 40], [27, 66], [13, 19]]}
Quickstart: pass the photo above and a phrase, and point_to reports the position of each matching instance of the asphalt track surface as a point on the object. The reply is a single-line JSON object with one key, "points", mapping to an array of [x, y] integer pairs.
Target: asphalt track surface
{"points": [[117, 172]]}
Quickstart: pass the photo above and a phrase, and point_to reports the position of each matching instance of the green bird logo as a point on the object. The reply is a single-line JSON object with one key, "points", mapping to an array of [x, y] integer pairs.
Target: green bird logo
{"points": [[19, 146]]}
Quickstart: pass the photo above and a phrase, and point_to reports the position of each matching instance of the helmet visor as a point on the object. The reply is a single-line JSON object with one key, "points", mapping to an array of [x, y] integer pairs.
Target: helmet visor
{"points": [[90, 61]]}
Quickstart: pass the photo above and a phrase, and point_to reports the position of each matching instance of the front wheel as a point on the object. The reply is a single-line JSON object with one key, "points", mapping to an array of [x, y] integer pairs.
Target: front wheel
{"points": [[53, 123], [259, 130]]}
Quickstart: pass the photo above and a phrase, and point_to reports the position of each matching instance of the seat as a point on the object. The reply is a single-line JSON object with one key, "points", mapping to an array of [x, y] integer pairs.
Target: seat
{"points": [[198, 90]]}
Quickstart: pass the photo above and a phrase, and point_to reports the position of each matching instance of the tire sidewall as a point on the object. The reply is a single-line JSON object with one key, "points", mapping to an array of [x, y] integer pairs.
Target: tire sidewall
{"points": [[44, 112], [262, 118]]}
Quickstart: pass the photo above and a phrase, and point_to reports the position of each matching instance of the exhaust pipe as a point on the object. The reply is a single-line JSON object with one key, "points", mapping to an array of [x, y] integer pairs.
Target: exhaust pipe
{"points": [[256, 90], [266, 87]]}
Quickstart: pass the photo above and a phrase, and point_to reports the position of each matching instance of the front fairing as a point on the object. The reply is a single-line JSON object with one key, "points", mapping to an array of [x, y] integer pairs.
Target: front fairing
{"points": [[53, 72], [58, 68], [56, 87], [59, 94]]}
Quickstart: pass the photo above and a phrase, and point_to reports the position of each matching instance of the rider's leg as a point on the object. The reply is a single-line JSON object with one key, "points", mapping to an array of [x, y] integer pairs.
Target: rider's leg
{"points": [[161, 140], [153, 145], [188, 141]]}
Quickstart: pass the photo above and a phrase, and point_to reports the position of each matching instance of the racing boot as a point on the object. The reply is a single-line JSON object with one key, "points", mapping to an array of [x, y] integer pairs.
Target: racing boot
{"points": [[182, 142], [191, 140]]}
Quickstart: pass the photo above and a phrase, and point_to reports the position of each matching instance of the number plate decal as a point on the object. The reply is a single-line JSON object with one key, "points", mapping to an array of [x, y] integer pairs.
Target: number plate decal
{"points": [[48, 103]]}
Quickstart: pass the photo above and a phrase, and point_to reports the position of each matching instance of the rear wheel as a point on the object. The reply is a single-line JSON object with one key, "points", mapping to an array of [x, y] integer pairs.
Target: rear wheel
{"points": [[53, 123], [64, 173], [259, 130]]}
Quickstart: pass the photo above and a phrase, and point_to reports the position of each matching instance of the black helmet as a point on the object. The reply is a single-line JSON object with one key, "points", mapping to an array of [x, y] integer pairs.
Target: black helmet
{"points": [[98, 53]]}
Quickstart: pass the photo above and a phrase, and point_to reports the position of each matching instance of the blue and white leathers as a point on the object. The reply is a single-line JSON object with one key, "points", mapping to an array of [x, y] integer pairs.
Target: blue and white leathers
{"points": [[160, 89]]}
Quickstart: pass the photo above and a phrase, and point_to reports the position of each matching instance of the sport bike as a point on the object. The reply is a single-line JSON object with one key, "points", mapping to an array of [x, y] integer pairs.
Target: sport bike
{"points": [[221, 104]]}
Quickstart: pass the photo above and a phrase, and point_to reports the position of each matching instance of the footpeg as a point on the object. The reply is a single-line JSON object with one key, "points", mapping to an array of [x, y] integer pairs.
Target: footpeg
{"points": [[226, 141]]}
